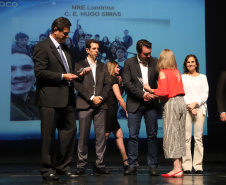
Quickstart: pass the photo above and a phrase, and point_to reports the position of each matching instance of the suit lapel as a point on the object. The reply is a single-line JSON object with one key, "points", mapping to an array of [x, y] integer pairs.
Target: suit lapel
{"points": [[56, 53], [98, 68], [137, 66], [67, 54], [86, 63], [68, 59], [149, 70], [54, 50], [89, 74]]}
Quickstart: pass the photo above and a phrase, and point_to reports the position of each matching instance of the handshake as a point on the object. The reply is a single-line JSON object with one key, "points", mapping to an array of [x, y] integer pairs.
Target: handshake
{"points": [[148, 95]]}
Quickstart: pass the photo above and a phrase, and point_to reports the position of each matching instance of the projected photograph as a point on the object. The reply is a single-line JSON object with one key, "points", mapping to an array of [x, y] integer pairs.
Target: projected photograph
{"points": [[22, 106], [117, 44], [117, 25]]}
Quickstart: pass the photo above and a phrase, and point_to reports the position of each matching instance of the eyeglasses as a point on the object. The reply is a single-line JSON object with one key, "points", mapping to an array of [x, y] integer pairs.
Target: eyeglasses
{"points": [[147, 54], [66, 33]]}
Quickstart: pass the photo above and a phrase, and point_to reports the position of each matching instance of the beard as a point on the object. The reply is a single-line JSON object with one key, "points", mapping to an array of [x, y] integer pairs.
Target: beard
{"points": [[144, 59]]}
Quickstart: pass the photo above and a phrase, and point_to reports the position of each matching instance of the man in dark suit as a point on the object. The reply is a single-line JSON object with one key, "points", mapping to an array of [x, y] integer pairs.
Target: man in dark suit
{"points": [[137, 71], [56, 100], [221, 97], [93, 90]]}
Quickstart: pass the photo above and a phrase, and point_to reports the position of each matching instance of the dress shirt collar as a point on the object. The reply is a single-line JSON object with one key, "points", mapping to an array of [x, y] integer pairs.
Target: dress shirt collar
{"points": [[140, 62], [54, 41], [90, 63]]}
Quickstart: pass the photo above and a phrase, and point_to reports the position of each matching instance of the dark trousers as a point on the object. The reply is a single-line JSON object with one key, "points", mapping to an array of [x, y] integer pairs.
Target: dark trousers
{"points": [[62, 119], [134, 122], [98, 116]]}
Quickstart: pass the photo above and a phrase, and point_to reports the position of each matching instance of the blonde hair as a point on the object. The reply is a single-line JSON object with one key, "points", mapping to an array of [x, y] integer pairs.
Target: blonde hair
{"points": [[166, 60], [111, 67]]}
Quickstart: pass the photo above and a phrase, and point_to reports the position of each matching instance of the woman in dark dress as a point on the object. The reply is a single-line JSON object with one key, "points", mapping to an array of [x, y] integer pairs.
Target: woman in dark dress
{"points": [[115, 97]]}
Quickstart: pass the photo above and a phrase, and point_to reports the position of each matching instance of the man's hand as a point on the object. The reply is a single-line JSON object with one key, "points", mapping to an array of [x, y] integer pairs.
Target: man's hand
{"points": [[223, 116], [147, 96], [97, 101], [84, 71], [69, 77]]}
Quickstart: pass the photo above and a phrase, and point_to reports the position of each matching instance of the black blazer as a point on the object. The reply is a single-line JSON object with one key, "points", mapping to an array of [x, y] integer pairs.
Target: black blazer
{"points": [[51, 90], [131, 71], [221, 93], [85, 85]]}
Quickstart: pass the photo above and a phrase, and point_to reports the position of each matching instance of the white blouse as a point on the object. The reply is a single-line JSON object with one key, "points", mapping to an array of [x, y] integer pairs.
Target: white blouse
{"points": [[196, 90]]}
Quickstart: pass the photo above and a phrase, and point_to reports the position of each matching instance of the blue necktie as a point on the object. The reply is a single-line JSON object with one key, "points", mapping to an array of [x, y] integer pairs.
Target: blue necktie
{"points": [[63, 59]]}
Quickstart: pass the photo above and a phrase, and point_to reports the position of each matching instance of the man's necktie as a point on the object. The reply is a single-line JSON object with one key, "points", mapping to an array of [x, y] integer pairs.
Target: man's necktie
{"points": [[63, 59]]}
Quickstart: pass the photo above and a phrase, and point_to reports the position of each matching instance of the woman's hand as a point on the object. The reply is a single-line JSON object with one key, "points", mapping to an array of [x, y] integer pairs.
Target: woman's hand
{"points": [[147, 88], [194, 112], [126, 114], [192, 105]]}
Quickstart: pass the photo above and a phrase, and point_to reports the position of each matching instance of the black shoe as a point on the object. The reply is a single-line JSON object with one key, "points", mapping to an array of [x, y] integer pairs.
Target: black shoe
{"points": [[51, 177], [69, 175], [125, 166], [153, 172], [187, 172], [80, 171], [100, 170], [130, 171], [198, 172]]}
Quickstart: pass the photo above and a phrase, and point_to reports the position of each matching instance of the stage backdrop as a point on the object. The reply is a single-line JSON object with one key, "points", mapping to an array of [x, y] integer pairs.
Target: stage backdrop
{"points": [[178, 25]]}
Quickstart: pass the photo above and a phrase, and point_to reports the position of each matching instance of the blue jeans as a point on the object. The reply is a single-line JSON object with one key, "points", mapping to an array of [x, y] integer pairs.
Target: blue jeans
{"points": [[134, 122]]}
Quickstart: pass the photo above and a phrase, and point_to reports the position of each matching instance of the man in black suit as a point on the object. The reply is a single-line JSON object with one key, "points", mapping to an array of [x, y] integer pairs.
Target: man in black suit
{"points": [[137, 71], [56, 100], [221, 97], [93, 90]]}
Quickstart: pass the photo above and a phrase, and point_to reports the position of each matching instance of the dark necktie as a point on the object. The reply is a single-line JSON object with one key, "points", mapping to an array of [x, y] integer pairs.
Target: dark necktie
{"points": [[63, 59]]}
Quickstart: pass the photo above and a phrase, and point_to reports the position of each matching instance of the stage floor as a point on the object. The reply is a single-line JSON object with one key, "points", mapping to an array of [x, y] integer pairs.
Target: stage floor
{"points": [[28, 174]]}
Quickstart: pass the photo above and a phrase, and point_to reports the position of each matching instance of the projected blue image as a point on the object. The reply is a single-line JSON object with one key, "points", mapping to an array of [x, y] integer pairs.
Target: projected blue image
{"points": [[117, 25]]}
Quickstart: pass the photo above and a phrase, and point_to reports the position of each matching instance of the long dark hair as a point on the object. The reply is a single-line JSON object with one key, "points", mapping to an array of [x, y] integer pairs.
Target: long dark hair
{"points": [[185, 61]]}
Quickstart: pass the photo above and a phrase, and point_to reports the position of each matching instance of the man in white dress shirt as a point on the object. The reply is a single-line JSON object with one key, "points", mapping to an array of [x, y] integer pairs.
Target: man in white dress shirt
{"points": [[137, 71], [93, 89]]}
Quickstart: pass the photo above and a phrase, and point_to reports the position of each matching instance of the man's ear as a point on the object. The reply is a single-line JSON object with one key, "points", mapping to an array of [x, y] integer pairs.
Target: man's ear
{"points": [[55, 29]]}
